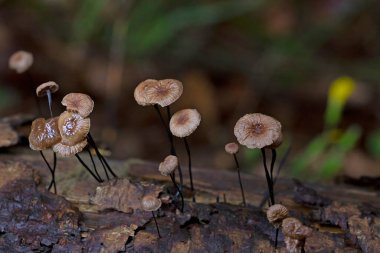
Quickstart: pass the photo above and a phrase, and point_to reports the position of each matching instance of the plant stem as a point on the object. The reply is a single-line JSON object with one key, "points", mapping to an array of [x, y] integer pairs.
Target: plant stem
{"points": [[178, 190], [274, 156], [88, 169], [155, 221], [52, 171], [94, 165], [268, 178], [276, 240], [190, 172], [241, 185], [49, 96]]}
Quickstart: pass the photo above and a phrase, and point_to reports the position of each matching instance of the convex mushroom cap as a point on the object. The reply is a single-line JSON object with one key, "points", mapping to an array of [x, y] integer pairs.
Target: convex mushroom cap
{"points": [[73, 128], [161, 92], [20, 61], [150, 203], [79, 103], [169, 165], [257, 130], [69, 150], [231, 148], [276, 213], [44, 133], [184, 122], [42, 89], [293, 228]]}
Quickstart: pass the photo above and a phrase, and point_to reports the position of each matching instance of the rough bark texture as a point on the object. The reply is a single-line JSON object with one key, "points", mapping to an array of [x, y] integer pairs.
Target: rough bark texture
{"points": [[88, 217]]}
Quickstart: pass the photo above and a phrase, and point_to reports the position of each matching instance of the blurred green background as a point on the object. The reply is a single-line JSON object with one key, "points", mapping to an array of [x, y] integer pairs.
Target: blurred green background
{"points": [[233, 57]]}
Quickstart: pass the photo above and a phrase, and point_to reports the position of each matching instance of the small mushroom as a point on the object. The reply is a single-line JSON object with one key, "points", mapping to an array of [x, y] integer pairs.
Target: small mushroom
{"points": [[182, 124], [232, 148], [73, 128], [295, 234], [276, 213], [44, 134], [64, 150], [150, 203], [78, 103], [47, 89], [20, 61]]}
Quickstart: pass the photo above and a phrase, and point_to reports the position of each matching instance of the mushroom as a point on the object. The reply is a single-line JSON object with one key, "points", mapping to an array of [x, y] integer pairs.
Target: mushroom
{"points": [[232, 148], [257, 130], [167, 168], [182, 124], [150, 203], [79, 103], [295, 234], [276, 214], [163, 93], [47, 89], [20, 61], [43, 135]]}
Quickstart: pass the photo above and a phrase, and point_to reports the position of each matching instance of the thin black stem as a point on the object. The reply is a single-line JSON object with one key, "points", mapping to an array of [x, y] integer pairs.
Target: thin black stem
{"points": [[52, 182], [303, 250], [241, 185], [54, 168], [88, 169], [276, 240], [190, 172], [172, 177], [100, 156], [267, 176], [49, 96], [94, 165], [155, 221], [274, 156]]}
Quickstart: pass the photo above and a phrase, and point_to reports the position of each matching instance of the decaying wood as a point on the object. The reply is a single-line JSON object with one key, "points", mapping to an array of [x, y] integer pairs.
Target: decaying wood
{"points": [[90, 217]]}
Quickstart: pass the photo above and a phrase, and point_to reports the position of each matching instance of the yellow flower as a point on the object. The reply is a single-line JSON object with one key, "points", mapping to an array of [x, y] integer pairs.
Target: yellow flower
{"points": [[341, 89]]}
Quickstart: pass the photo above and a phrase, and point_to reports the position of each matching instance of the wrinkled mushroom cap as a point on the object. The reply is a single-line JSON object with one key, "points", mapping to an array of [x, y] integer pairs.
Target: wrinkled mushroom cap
{"points": [[257, 130], [161, 92], [276, 213], [184, 122], [150, 203], [43, 88], [169, 165], [44, 133], [79, 103], [293, 228], [20, 61], [73, 128], [69, 150], [231, 148]]}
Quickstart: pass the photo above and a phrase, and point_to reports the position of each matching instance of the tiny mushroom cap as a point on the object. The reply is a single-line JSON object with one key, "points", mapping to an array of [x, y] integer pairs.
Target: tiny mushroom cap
{"points": [[141, 95], [257, 130], [79, 103], [42, 89], [44, 133], [184, 122], [69, 150], [293, 228], [20, 61], [73, 128], [169, 164], [276, 213], [150, 203], [231, 148]]}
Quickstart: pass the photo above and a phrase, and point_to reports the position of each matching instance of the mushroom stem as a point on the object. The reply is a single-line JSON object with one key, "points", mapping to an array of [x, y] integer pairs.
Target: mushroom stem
{"points": [[52, 171], [88, 169], [241, 185], [171, 140], [190, 172], [172, 177], [49, 96], [274, 156], [155, 221], [94, 165], [100, 156], [268, 178], [276, 238]]}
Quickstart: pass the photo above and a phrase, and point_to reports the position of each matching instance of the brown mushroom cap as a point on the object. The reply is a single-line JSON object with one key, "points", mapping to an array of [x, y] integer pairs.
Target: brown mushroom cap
{"points": [[257, 130], [231, 148], [184, 122], [150, 203], [69, 150], [73, 128], [169, 165], [44, 133], [276, 213], [43, 88], [161, 92], [79, 103], [20, 61], [293, 228]]}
